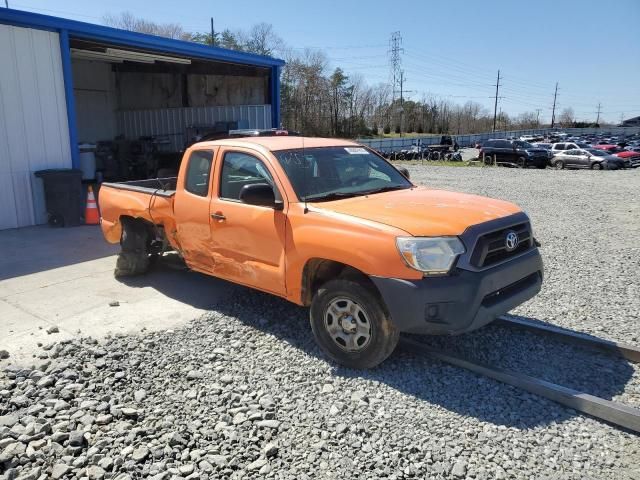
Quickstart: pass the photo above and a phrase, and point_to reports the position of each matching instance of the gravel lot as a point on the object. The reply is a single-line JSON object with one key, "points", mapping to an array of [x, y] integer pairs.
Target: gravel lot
{"points": [[244, 392]]}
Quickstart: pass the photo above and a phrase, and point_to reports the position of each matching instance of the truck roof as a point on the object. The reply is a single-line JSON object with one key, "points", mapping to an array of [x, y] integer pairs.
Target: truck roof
{"points": [[283, 142]]}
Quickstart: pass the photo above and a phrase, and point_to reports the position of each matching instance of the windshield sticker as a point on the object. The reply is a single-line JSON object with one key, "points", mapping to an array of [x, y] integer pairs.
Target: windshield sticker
{"points": [[356, 150]]}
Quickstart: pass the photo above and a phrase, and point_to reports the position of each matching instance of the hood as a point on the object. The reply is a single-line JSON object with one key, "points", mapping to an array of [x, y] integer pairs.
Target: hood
{"points": [[422, 211], [627, 154]]}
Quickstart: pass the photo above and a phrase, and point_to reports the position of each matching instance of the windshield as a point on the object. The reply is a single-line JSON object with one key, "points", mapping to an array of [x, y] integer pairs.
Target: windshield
{"points": [[521, 144], [597, 153], [326, 173]]}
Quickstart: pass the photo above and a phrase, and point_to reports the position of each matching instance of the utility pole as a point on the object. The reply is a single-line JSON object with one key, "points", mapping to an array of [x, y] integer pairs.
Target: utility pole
{"points": [[401, 102], [402, 92], [6, 3], [213, 34], [553, 113], [495, 105], [538, 116], [598, 112]]}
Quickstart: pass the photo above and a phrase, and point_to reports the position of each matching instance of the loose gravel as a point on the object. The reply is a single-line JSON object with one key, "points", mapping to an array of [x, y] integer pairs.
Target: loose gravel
{"points": [[244, 392]]}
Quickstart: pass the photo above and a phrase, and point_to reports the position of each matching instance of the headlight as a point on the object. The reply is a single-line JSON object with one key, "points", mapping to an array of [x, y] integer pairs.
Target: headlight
{"points": [[430, 255]]}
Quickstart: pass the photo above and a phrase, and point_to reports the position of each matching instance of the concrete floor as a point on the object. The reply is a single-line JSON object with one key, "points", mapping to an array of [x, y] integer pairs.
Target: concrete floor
{"points": [[64, 277]]}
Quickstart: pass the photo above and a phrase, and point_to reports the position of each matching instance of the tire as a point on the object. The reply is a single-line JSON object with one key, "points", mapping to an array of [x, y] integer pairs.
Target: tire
{"points": [[558, 164], [434, 156], [596, 166], [522, 162], [134, 249], [372, 323]]}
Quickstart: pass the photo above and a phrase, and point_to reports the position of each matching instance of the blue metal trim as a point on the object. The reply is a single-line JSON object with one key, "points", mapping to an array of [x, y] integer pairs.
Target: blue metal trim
{"points": [[67, 74], [275, 96], [133, 39]]}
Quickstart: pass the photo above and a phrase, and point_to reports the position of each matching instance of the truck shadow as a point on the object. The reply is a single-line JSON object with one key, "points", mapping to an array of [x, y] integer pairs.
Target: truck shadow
{"points": [[430, 381]]}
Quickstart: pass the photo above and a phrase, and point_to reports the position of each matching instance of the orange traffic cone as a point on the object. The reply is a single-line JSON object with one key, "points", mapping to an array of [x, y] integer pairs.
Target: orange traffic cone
{"points": [[91, 215]]}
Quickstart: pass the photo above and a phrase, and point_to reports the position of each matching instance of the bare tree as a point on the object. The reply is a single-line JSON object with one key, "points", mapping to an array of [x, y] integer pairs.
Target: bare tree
{"points": [[128, 21], [567, 117]]}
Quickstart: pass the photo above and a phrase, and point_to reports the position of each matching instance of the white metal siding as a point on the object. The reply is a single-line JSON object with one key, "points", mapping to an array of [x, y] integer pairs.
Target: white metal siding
{"points": [[34, 133], [173, 122]]}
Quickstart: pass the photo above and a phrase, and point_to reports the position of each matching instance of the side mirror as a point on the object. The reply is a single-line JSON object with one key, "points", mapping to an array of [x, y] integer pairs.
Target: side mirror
{"points": [[260, 194], [404, 172]]}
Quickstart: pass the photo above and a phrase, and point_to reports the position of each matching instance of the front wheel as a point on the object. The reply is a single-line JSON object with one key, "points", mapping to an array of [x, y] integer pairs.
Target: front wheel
{"points": [[351, 325], [596, 166]]}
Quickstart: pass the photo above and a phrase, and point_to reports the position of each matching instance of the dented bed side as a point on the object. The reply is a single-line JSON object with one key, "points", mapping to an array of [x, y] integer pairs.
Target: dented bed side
{"points": [[135, 200]]}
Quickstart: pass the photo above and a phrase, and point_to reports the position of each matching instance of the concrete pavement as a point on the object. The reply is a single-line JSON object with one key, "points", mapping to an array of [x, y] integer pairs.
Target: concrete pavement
{"points": [[64, 278]]}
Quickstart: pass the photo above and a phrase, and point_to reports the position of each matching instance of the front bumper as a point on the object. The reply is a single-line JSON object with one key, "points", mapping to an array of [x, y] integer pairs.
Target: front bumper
{"points": [[538, 161], [464, 300]]}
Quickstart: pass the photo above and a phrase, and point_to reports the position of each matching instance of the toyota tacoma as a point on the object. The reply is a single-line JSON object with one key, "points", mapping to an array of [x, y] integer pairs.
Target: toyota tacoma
{"points": [[330, 224]]}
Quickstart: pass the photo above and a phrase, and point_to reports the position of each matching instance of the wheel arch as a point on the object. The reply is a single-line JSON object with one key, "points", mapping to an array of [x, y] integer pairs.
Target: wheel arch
{"points": [[318, 271]]}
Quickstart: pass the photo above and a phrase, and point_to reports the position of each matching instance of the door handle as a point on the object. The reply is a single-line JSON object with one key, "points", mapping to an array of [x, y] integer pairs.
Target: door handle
{"points": [[218, 216]]}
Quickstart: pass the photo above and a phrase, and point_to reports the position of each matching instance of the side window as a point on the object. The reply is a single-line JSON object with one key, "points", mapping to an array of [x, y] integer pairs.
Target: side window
{"points": [[504, 144], [240, 169], [560, 146], [199, 172]]}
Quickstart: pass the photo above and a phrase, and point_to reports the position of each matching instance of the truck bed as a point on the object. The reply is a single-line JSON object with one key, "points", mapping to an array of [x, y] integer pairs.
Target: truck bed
{"points": [[163, 187], [150, 200]]}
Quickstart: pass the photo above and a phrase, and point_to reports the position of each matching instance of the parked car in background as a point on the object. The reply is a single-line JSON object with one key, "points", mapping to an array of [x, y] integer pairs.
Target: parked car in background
{"points": [[631, 158], [593, 159], [532, 138], [514, 152], [563, 146]]}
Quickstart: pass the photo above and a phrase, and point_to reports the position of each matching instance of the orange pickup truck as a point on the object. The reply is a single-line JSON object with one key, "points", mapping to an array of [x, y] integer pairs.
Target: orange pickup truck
{"points": [[330, 224]]}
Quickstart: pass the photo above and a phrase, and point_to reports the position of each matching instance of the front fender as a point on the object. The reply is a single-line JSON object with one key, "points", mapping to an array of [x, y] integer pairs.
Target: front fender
{"points": [[367, 246]]}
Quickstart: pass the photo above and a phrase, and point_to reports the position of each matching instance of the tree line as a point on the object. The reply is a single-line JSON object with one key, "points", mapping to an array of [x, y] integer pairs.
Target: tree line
{"points": [[321, 101]]}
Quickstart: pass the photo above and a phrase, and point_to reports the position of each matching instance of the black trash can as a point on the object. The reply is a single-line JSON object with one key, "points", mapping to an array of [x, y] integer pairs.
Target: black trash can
{"points": [[63, 196]]}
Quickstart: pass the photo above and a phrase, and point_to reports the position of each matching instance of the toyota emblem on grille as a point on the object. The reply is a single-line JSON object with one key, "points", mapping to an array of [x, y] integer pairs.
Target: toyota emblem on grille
{"points": [[511, 241]]}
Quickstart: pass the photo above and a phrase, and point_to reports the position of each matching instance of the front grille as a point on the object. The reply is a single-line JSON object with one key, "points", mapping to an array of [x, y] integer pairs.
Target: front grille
{"points": [[491, 248]]}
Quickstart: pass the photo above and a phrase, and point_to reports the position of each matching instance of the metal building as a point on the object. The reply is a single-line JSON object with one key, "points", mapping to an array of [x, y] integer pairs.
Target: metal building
{"points": [[64, 82]]}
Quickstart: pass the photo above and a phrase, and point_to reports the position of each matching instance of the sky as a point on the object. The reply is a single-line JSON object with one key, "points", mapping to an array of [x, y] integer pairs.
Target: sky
{"points": [[452, 49]]}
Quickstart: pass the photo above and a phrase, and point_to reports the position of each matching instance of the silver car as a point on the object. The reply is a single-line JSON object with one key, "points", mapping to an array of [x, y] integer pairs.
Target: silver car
{"points": [[586, 158]]}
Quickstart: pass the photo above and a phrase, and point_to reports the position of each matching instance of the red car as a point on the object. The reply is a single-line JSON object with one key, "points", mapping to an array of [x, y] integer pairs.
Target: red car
{"points": [[631, 158]]}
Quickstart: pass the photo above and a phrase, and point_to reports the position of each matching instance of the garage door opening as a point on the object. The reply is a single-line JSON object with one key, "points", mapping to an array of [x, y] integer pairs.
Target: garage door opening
{"points": [[137, 110]]}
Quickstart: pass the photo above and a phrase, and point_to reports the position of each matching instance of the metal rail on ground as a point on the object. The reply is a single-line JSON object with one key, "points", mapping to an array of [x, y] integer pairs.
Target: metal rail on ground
{"points": [[612, 412], [629, 352]]}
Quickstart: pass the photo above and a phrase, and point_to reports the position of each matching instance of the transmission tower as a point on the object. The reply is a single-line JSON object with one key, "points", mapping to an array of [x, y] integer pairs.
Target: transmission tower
{"points": [[395, 49]]}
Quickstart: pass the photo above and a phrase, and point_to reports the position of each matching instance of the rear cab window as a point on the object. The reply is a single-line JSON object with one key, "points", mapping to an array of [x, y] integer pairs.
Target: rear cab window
{"points": [[198, 174]]}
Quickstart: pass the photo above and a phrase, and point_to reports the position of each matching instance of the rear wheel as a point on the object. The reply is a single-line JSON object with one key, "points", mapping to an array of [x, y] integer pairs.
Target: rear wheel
{"points": [[522, 162], [558, 164], [134, 249], [351, 325]]}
